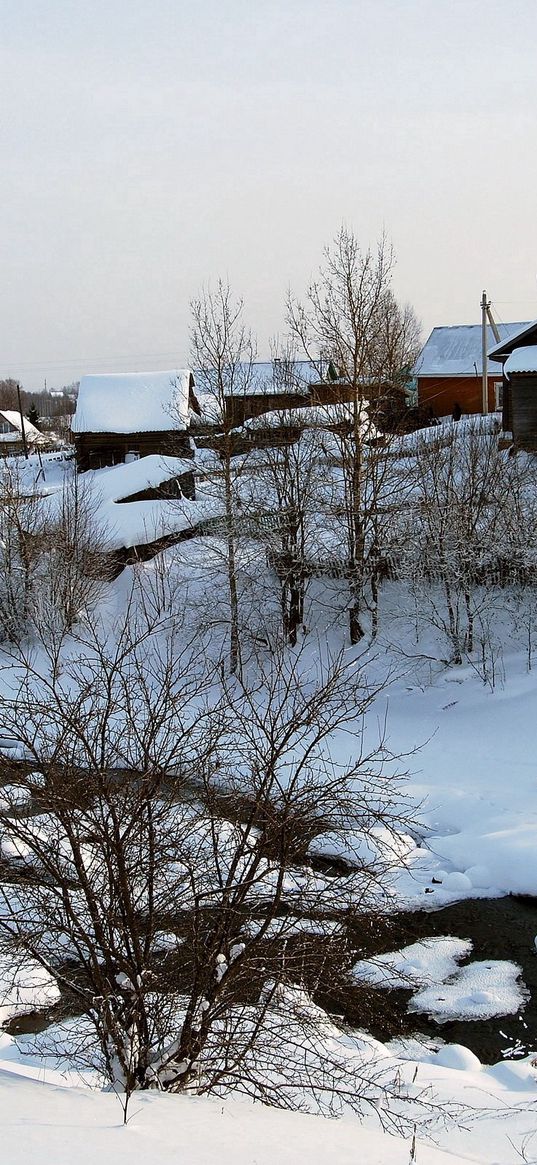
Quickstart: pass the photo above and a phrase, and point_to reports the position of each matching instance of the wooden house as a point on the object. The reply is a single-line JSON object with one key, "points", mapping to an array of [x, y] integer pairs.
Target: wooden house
{"points": [[11, 436], [123, 416], [282, 386], [517, 357], [449, 370]]}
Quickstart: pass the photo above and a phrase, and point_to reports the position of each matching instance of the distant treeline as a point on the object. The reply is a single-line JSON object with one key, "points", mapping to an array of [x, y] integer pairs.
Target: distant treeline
{"points": [[47, 404]]}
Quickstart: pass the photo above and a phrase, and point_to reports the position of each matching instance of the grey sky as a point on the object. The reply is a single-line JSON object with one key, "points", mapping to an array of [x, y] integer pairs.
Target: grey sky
{"points": [[152, 145]]}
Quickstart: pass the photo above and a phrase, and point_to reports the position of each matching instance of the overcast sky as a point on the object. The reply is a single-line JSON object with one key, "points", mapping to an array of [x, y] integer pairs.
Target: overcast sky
{"points": [[150, 146]]}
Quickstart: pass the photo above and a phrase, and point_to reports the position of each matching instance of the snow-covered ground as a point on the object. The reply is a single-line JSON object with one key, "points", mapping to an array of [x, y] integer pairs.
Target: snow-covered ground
{"points": [[45, 1121], [475, 777], [468, 745]]}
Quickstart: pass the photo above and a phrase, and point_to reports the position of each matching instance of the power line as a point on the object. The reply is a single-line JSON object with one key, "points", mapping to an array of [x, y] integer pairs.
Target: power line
{"points": [[90, 360]]}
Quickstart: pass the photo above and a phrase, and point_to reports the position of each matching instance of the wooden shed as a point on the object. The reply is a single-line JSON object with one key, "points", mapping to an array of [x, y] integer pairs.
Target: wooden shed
{"points": [[518, 357], [123, 416]]}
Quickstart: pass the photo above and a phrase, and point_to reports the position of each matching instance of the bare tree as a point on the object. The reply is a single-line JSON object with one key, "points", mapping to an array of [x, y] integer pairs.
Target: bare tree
{"points": [[20, 523], [163, 875], [223, 352], [467, 534], [353, 320]]}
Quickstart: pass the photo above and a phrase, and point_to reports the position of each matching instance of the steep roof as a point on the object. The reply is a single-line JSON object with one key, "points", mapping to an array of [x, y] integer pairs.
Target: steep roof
{"points": [[133, 402], [524, 336], [33, 435], [456, 351]]}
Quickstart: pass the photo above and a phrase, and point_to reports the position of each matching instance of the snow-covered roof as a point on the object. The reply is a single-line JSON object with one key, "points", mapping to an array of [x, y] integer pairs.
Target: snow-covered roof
{"points": [[508, 343], [33, 435], [133, 402], [264, 378], [456, 351], [120, 481], [522, 360]]}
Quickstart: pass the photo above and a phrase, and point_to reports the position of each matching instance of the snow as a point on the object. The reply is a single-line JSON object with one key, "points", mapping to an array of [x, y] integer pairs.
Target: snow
{"points": [[47, 1117], [522, 360], [133, 402], [422, 963], [267, 378], [481, 990], [24, 989], [474, 833], [13, 797], [126, 524], [455, 351], [54, 1125], [120, 481], [314, 416], [33, 435], [475, 770]]}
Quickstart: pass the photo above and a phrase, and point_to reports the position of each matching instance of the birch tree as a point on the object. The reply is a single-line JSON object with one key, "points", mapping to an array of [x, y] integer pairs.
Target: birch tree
{"points": [[223, 353], [352, 320]]}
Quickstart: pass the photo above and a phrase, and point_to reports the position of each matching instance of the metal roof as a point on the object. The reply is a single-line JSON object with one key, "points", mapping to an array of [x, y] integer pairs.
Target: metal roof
{"points": [[456, 351]]}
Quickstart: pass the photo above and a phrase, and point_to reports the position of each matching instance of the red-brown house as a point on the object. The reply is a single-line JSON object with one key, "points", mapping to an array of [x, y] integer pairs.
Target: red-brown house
{"points": [[449, 369]]}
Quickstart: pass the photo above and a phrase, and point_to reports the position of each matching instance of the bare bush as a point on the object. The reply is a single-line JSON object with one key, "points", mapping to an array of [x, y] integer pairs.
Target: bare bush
{"points": [[163, 876]]}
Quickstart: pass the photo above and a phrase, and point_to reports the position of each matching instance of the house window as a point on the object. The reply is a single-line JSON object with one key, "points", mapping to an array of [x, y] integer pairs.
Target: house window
{"points": [[498, 394]]}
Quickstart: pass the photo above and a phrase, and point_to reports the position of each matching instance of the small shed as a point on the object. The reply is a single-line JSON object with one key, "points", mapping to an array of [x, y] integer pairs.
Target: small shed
{"points": [[516, 354], [127, 415]]}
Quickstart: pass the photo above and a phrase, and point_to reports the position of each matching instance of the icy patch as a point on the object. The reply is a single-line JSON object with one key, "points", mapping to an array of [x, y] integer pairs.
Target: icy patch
{"points": [[421, 964], [480, 991]]}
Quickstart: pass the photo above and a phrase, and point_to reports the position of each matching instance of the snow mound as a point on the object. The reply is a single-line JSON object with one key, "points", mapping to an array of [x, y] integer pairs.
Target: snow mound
{"points": [[420, 964], [481, 990]]}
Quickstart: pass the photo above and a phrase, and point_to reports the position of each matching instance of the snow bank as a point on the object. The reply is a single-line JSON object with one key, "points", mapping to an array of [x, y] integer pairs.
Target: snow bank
{"points": [[54, 1125], [24, 988]]}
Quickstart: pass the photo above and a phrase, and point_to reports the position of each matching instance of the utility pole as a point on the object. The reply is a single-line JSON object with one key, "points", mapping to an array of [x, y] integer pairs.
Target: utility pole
{"points": [[23, 430], [485, 307], [492, 323]]}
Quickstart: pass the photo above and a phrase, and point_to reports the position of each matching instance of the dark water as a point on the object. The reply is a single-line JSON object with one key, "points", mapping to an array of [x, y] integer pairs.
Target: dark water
{"points": [[499, 928], [502, 928]]}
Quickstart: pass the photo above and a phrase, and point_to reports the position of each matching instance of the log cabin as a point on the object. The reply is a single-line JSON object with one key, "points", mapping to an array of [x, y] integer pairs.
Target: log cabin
{"points": [[122, 416]]}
